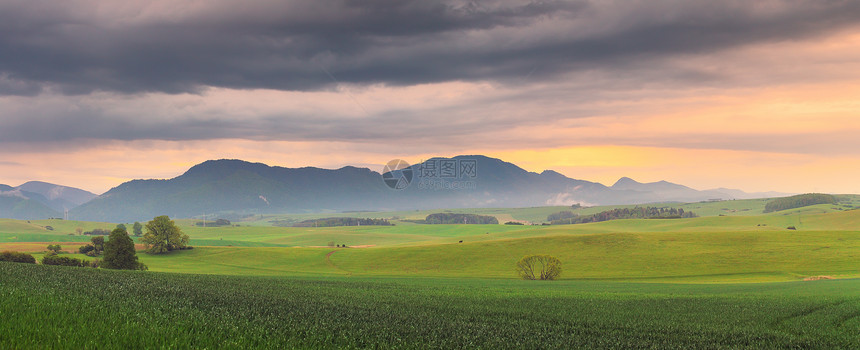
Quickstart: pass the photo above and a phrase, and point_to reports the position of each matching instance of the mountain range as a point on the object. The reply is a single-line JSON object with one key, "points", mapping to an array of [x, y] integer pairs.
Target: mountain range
{"points": [[40, 200], [236, 187]]}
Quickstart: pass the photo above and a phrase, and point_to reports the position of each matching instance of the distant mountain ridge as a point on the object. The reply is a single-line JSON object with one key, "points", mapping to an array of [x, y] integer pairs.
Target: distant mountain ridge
{"points": [[671, 192], [236, 186], [58, 197], [39, 200]]}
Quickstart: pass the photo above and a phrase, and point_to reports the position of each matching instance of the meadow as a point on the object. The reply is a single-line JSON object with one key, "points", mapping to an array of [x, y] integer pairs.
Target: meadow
{"points": [[732, 278], [65, 308], [734, 247]]}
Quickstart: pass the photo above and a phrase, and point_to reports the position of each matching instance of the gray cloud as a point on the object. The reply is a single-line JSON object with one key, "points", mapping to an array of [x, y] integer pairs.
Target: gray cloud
{"points": [[77, 47], [550, 63]]}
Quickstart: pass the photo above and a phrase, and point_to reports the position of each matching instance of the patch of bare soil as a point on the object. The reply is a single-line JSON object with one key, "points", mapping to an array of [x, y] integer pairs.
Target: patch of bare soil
{"points": [[818, 278]]}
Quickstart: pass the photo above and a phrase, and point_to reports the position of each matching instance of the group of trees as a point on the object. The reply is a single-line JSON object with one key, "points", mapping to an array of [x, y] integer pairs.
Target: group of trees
{"points": [[54, 259], [452, 218], [17, 257], [162, 235], [97, 232], [798, 201], [568, 217], [137, 229], [343, 221], [94, 248], [216, 223], [562, 215], [118, 249]]}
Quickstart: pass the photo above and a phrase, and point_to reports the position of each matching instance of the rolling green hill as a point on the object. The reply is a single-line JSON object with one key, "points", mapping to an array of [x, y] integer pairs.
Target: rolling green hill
{"points": [[662, 283], [707, 249]]}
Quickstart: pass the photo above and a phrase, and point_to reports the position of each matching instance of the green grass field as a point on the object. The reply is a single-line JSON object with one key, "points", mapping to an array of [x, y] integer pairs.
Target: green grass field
{"points": [[732, 278], [733, 248], [60, 307]]}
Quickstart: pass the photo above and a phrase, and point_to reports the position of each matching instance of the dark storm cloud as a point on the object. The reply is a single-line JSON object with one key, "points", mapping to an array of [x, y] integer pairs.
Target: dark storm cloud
{"points": [[77, 47]]}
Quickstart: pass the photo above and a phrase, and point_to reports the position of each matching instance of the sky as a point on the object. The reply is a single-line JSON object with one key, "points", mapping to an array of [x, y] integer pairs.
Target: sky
{"points": [[755, 95]]}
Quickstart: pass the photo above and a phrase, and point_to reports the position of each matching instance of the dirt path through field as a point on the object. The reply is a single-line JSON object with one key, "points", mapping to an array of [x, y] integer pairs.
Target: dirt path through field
{"points": [[330, 263]]}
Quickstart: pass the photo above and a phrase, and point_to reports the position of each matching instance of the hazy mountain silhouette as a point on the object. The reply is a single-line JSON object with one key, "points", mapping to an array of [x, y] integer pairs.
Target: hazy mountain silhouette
{"points": [[243, 188], [22, 205], [40, 200], [57, 197]]}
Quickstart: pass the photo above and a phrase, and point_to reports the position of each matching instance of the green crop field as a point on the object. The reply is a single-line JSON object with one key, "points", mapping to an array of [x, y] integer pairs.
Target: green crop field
{"points": [[62, 307], [732, 278]]}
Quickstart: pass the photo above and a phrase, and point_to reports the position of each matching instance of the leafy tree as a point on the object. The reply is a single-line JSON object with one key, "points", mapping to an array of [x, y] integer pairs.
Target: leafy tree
{"points": [[54, 248], [137, 229], [162, 235], [122, 227], [119, 252], [543, 267], [98, 244], [79, 230]]}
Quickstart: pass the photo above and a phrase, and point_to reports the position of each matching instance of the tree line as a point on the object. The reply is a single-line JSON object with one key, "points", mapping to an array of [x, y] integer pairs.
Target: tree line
{"points": [[452, 218], [569, 217], [343, 221], [137, 229], [798, 201]]}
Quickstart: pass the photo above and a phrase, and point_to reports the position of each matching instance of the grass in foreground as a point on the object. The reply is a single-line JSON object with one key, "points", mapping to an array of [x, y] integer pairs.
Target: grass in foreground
{"points": [[58, 307]]}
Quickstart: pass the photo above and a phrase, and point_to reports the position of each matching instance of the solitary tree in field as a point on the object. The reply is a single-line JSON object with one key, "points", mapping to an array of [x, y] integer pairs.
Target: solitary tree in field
{"points": [[543, 267], [162, 235], [137, 229], [54, 248], [119, 252]]}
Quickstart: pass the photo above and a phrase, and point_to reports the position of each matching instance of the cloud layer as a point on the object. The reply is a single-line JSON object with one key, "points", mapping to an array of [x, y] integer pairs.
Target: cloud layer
{"points": [[76, 47], [423, 78]]}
